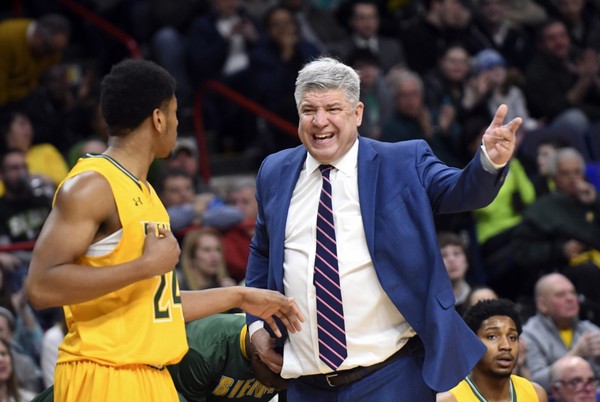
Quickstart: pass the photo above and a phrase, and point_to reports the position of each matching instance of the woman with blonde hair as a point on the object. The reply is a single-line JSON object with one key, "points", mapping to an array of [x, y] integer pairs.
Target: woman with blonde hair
{"points": [[203, 261]]}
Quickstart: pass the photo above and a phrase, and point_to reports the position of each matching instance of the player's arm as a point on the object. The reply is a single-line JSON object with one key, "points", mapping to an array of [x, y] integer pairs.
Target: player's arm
{"points": [[262, 303], [445, 397], [541, 392], [82, 206]]}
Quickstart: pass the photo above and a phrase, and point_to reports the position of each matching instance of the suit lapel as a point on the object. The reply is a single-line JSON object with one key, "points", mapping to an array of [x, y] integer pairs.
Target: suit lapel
{"points": [[368, 171], [288, 176]]}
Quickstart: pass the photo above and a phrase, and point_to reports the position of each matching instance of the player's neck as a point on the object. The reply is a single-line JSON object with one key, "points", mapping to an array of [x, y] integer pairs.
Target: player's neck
{"points": [[492, 389]]}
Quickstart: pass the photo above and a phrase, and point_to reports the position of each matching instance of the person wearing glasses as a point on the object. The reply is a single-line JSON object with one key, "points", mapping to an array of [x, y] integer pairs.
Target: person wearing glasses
{"points": [[497, 324], [573, 380]]}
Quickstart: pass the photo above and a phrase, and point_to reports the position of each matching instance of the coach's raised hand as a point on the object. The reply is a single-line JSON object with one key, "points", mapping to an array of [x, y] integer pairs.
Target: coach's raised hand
{"points": [[500, 139]]}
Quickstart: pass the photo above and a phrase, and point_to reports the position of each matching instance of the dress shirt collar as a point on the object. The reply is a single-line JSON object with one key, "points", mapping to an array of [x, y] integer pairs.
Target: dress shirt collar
{"points": [[345, 164]]}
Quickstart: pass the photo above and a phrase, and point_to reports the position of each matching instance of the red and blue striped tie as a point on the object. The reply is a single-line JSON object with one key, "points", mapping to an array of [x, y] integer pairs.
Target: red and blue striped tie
{"points": [[330, 312]]}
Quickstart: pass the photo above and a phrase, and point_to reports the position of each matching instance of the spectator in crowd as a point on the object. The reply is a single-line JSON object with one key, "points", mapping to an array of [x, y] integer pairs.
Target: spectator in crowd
{"points": [[25, 367], [412, 119], [492, 30], [525, 13], [10, 382], [24, 206], [443, 23], [187, 209], [91, 145], [185, 156], [223, 364], [374, 92], [540, 174], [364, 34], [478, 293], [495, 225], [202, 261], [166, 24], [573, 380], [27, 48], [43, 160], [503, 86], [62, 108], [446, 83], [317, 25], [498, 325], [582, 20], [560, 230], [275, 63], [236, 240], [562, 88], [556, 330], [219, 46], [457, 264]]}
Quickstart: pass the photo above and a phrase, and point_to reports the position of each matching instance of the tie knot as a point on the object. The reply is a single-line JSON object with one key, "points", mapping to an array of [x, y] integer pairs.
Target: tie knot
{"points": [[325, 170]]}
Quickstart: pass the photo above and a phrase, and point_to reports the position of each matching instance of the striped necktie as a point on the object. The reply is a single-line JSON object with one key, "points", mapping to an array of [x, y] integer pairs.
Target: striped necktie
{"points": [[330, 312]]}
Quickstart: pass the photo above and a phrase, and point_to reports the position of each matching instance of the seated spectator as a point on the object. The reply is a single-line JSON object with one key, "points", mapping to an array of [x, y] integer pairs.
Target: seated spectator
{"points": [[374, 92], [443, 23], [318, 25], [479, 293], [412, 119], [202, 261], [43, 160], [559, 231], [10, 382], [93, 145], [364, 34], [27, 48], [498, 326], [455, 260], [185, 156], [219, 45], [187, 209], [236, 239], [26, 369], [504, 87], [495, 226], [24, 205], [573, 380], [561, 87], [275, 63], [556, 331], [493, 31]]}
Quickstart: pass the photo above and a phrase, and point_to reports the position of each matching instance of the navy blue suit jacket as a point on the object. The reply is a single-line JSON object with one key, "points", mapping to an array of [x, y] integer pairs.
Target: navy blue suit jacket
{"points": [[399, 185]]}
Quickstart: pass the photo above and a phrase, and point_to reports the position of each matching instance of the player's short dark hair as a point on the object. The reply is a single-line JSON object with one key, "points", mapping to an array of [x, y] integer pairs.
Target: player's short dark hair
{"points": [[132, 91], [485, 309]]}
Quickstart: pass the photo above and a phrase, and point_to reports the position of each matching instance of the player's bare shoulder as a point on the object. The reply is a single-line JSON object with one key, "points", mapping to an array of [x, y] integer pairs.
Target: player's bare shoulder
{"points": [[87, 193], [445, 397]]}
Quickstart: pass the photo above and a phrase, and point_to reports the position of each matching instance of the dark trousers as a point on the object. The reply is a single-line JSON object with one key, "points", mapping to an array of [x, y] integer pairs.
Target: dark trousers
{"points": [[400, 381]]}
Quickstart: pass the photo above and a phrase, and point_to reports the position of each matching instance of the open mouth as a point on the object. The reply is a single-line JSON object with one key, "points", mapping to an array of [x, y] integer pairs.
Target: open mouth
{"points": [[322, 137]]}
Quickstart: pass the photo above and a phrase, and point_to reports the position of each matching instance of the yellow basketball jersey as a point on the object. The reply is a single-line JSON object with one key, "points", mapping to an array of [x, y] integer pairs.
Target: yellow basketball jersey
{"points": [[521, 390], [143, 322]]}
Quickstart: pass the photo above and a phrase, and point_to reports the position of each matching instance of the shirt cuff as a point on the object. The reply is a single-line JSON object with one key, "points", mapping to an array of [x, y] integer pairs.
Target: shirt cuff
{"points": [[255, 326], [487, 163]]}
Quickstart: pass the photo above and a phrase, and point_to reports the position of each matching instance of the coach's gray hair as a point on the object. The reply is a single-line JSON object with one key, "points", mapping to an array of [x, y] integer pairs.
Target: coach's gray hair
{"points": [[564, 153], [326, 73]]}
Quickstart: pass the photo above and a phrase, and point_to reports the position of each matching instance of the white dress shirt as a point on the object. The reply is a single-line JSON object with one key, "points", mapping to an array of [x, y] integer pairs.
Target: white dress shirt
{"points": [[375, 329]]}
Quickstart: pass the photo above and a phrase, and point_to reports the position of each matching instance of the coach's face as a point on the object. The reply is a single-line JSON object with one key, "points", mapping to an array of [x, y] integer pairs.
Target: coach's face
{"points": [[328, 124]]}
